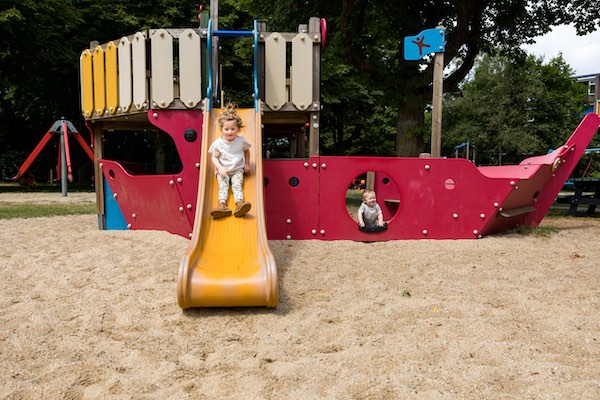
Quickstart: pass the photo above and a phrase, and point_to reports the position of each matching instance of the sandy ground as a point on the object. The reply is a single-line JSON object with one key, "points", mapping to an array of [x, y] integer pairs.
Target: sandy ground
{"points": [[88, 314]]}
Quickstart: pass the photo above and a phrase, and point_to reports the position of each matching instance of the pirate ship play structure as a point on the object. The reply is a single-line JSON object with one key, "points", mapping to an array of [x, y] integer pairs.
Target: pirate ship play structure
{"points": [[167, 83]]}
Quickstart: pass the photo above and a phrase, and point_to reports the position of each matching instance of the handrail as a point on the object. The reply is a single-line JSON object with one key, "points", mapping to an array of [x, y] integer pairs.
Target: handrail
{"points": [[255, 78], [218, 33], [233, 33], [209, 88]]}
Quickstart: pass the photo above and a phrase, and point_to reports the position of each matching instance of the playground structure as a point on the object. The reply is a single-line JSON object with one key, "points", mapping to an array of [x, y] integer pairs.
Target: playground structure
{"points": [[63, 128], [228, 263]]}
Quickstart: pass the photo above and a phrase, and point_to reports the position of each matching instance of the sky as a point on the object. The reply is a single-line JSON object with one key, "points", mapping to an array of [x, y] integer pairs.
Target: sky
{"points": [[582, 53]]}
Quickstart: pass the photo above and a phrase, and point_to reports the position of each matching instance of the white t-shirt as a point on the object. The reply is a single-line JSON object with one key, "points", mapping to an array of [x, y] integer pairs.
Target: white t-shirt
{"points": [[230, 154], [369, 214]]}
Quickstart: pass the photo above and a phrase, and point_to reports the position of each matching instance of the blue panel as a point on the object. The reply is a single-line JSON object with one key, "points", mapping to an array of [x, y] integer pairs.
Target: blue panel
{"points": [[112, 212], [427, 42]]}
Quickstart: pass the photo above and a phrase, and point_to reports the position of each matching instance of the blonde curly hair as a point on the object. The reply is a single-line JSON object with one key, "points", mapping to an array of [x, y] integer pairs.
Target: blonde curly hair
{"points": [[230, 114]]}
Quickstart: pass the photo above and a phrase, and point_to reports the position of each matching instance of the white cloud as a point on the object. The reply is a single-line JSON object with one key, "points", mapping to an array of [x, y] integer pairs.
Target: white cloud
{"points": [[582, 53]]}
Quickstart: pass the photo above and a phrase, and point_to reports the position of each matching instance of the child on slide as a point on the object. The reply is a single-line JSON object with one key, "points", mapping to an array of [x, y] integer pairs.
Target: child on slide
{"points": [[231, 158]]}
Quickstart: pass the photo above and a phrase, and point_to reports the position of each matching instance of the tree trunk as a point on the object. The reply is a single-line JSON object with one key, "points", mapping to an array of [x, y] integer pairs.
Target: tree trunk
{"points": [[409, 130]]}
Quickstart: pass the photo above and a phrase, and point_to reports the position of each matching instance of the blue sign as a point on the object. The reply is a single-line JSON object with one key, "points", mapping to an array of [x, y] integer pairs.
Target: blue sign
{"points": [[427, 42]]}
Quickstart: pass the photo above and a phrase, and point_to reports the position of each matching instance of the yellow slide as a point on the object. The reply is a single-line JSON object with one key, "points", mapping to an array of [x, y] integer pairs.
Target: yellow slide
{"points": [[228, 262]]}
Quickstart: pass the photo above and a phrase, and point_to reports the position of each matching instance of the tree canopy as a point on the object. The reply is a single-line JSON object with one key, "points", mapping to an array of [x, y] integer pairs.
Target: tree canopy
{"points": [[372, 97], [368, 37], [511, 109]]}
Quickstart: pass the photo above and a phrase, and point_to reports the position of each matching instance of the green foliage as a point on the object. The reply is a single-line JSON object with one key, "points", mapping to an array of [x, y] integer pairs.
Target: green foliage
{"points": [[35, 210], [369, 92], [366, 43], [10, 162], [514, 108]]}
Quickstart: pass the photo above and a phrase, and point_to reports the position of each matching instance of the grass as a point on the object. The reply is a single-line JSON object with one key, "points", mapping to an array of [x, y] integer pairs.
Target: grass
{"points": [[540, 231], [36, 210]]}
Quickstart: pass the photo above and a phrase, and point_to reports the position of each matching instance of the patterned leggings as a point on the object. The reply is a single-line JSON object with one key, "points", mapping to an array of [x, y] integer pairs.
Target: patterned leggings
{"points": [[236, 178]]}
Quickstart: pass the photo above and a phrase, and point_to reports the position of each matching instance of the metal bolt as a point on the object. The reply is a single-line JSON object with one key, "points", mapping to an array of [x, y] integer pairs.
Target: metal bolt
{"points": [[314, 231], [189, 206], [171, 182], [323, 165], [482, 216], [179, 180], [455, 216], [289, 221], [425, 232], [322, 231], [427, 167], [155, 115], [288, 237]]}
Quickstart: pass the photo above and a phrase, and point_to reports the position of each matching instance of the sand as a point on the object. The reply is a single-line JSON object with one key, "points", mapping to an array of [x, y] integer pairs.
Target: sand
{"points": [[89, 314]]}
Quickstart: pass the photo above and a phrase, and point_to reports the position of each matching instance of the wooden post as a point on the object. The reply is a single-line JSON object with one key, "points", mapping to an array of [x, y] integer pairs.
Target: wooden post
{"points": [[436, 117]]}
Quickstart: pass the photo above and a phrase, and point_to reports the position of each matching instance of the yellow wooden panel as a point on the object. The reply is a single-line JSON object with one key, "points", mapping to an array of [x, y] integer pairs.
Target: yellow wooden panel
{"points": [[124, 52], [112, 83], [190, 75], [302, 71], [87, 83], [99, 89], [275, 71], [161, 43], [138, 65]]}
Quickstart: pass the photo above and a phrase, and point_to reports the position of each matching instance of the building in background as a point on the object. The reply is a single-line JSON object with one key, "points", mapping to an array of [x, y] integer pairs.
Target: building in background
{"points": [[592, 81]]}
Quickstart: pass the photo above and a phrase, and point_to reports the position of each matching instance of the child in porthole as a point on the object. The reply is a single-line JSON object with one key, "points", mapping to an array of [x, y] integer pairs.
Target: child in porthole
{"points": [[370, 216]]}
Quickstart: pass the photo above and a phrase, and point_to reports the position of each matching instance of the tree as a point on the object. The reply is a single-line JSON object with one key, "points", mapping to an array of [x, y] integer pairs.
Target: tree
{"points": [[371, 34], [513, 108], [40, 46]]}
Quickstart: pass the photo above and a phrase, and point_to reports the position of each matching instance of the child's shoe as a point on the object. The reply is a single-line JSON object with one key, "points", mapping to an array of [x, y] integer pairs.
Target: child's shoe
{"points": [[241, 208], [220, 211]]}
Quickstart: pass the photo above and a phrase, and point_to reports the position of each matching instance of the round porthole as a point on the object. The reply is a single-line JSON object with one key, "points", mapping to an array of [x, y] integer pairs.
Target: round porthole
{"points": [[385, 188], [294, 181]]}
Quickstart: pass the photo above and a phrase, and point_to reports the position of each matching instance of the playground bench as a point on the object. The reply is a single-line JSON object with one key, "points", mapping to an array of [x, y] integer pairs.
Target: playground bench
{"points": [[587, 191]]}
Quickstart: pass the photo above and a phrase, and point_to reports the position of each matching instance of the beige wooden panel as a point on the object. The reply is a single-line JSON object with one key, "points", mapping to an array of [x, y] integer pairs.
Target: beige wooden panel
{"points": [[112, 81], [140, 90], [124, 52], [190, 75], [99, 90], [302, 71], [162, 68], [275, 71], [87, 83]]}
